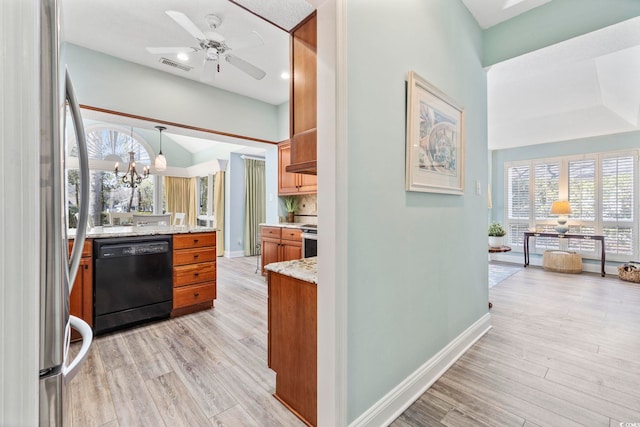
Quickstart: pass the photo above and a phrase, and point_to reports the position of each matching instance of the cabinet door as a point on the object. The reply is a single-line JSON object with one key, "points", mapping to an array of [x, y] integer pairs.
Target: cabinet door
{"points": [[291, 251], [287, 182], [308, 184], [81, 298], [270, 252]]}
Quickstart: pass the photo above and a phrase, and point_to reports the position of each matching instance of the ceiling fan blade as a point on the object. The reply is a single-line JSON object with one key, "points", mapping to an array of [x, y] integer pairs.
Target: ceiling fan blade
{"points": [[209, 70], [163, 50], [252, 39], [187, 24], [248, 68]]}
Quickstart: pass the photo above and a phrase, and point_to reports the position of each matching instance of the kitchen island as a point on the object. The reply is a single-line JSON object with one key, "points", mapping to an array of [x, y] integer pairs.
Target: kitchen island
{"points": [[188, 269], [292, 334]]}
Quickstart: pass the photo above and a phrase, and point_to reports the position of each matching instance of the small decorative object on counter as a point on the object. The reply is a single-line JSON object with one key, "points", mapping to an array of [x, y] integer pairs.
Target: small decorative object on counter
{"points": [[291, 205]]}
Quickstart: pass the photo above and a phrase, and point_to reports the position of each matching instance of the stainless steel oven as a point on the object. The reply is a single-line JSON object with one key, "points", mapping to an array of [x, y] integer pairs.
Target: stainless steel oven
{"points": [[309, 240]]}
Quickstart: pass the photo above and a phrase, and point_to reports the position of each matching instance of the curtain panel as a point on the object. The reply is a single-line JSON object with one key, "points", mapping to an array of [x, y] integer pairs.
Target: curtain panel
{"points": [[180, 196], [254, 206], [218, 211]]}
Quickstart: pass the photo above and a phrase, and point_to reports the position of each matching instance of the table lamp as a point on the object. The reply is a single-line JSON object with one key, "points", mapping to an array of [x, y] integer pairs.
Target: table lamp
{"points": [[561, 208]]}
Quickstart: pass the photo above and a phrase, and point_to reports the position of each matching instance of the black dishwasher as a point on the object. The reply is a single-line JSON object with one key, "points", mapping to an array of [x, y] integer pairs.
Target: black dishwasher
{"points": [[132, 281]]}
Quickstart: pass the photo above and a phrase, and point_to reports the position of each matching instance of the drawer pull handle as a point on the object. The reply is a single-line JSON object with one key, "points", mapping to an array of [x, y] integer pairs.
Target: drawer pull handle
{"points": [[196, 256], [195, 240], [196, 294], [196, 274]]}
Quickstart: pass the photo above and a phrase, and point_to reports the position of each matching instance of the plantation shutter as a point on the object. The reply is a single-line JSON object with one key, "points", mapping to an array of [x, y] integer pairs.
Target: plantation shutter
{"points": [[518, 192], [582, 189], [618, 204], [546, 184]]}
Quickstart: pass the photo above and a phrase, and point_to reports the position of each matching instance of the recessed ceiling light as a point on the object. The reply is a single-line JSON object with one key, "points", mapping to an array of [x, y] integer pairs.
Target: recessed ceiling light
{"points": [[183, 56], [285, 75]]}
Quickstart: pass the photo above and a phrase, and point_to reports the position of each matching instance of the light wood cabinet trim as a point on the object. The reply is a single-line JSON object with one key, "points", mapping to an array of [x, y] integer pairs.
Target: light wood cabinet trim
{"points": [[193, 273], [294, 234], [193, 240], [190, 295], [191, 256], [271, 232]]}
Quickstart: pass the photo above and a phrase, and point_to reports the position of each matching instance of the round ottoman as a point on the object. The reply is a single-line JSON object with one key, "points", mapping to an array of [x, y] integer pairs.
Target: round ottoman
{"points": [[562, 261]]}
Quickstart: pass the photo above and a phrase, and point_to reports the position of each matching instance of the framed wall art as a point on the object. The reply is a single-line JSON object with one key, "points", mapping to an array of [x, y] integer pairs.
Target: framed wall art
{"points": [[435, 139]]}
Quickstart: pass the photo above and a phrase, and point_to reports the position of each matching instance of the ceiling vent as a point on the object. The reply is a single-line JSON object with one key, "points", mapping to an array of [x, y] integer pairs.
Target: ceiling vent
{"points": [[174, 64]]}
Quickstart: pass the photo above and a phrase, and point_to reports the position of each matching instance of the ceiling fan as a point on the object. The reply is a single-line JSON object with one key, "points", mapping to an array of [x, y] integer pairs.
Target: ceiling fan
{"points": [[214, 45]]}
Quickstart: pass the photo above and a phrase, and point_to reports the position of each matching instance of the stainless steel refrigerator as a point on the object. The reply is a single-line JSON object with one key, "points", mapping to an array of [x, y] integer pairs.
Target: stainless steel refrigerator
{"points": [[57, 269]]}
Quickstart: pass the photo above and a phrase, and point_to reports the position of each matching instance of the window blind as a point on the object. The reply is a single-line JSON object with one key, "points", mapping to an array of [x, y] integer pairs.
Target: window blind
{"points": [[518, 192], [546, 183]]}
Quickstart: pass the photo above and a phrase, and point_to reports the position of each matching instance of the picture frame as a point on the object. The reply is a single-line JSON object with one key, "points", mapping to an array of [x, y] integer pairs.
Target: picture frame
{"points": [[434, 139]]}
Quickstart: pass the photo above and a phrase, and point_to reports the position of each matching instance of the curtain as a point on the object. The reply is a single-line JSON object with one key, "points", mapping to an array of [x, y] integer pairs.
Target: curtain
{"points": [[180, 195], [218, 211], [254, 204]]}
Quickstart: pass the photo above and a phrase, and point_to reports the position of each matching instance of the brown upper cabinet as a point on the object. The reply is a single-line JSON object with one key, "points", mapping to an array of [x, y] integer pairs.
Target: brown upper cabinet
{"points": [[303, 99], [290, 183]]}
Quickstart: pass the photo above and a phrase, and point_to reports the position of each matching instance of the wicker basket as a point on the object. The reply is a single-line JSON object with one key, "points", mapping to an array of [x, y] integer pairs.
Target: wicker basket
{"points": [[629, 276]]}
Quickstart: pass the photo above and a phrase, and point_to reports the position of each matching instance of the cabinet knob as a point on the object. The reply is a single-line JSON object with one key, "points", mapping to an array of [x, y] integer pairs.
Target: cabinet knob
{"points": [[196, 274], [196, 256], [196, 294], [195, 240]]}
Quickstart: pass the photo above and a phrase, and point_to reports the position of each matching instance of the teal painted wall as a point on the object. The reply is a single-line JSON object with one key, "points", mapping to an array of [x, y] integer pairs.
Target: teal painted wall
{"points": [[108, 82], [283, 121], [596, 144], [552, 23], [417, 270]]}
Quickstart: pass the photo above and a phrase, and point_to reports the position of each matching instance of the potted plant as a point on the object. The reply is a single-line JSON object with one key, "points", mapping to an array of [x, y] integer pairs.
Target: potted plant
{"points": [[291, 205], [496, 234]]}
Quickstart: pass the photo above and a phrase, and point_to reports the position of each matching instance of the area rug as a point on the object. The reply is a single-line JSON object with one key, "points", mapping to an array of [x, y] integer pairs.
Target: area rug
{"points": [[500, 272]]}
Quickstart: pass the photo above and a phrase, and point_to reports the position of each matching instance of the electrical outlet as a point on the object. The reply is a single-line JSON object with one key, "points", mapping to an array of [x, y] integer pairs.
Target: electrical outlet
{"points": [[478, 188]]}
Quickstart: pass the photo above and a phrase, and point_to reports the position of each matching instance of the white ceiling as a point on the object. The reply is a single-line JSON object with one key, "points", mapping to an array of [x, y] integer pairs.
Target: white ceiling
{"points": [[583, 87], [124, 28], [491, 12]]}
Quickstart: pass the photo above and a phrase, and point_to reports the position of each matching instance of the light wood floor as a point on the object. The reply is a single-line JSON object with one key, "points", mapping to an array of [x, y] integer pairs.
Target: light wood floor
{"points": [[564, 351], [207, 368]]}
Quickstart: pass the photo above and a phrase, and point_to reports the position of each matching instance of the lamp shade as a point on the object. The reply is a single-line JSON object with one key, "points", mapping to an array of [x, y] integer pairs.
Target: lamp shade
{"points": [[561, 207], [161, 162]]}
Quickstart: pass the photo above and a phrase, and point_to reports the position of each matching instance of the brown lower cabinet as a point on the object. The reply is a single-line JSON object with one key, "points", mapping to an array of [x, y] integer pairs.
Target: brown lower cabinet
{"points": [[194, 272], [280, 244], [292, 338], [81, 298]]}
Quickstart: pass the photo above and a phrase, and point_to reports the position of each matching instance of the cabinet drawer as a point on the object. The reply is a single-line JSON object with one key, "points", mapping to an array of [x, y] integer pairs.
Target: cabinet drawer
{"points": [[273, 232], [292, 234], [195, 294], [87, 250], [194, 273], [193, 240], [191, 256]]}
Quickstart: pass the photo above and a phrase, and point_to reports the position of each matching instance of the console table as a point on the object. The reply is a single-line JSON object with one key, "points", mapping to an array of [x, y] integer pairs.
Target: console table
{"points": [[528, 234]]}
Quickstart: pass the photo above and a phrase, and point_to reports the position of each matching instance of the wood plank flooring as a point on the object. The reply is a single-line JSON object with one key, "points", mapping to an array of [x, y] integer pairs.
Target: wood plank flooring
{"points": [[564, 351], [204, 369]]}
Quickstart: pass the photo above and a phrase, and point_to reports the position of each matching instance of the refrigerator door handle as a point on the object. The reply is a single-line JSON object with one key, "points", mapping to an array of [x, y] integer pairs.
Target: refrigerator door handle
{"points": [[83, 327], [83, 157]]}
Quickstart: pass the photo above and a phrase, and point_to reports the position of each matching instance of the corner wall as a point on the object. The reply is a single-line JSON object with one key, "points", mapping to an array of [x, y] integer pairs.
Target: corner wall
{"points": [[417, 271]]}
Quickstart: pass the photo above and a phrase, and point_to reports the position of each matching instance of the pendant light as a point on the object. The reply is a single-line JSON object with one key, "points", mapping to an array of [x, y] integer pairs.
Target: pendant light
{"points": [[131, 177], [161, 161]]}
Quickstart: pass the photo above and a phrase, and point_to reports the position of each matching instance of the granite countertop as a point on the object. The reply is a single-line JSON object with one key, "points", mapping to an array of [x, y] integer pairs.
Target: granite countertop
{"points": [[305, 269], [285, 225], [149, 230]]}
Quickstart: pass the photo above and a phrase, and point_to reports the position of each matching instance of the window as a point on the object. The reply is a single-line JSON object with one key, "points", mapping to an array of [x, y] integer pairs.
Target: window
{"points": [[105, 147], [600, 188]]}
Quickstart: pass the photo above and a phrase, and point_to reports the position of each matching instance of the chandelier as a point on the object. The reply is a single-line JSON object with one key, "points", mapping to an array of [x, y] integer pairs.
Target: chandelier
{"points": [[131, 177]]}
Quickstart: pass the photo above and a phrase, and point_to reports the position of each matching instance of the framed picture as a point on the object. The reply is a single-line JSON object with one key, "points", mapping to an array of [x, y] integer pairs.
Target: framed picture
{"points": [[435, 140]]}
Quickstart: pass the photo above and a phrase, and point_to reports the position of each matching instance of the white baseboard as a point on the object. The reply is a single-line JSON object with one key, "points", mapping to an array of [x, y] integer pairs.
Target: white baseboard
{"points": [[394, 403], [536, 260], [233, 254]]}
